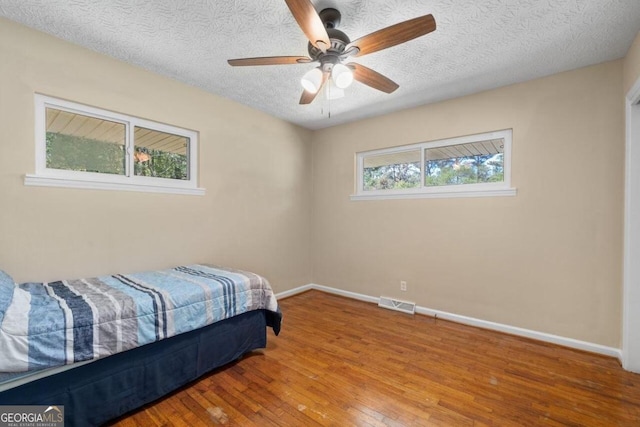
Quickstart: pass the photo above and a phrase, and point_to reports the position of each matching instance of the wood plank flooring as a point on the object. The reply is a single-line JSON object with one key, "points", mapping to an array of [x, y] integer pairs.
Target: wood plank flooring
{"points": [[340, 362]]}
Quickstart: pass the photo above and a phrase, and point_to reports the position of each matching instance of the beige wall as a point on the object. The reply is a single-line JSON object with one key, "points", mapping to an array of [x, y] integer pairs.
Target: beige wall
{"points": [[255, 214], [548, 259], [631, 70]]}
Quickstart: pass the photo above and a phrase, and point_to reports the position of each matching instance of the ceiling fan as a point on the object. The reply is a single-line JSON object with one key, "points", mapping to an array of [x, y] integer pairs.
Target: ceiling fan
{"points": [[331, 47]]}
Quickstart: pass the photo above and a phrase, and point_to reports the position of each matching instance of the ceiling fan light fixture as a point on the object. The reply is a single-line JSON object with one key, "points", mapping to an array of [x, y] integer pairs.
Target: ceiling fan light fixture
{"points": [[312, 80], [335, 93], [342, 76]]}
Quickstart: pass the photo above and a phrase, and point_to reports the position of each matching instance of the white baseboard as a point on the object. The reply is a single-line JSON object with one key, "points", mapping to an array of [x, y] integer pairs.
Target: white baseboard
{"points": [[471, 321], [294, 291]]}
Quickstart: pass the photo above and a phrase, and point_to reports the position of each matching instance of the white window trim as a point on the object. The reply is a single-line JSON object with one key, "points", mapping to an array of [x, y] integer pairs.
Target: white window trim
{"points": [[493, 189], [48, 177]]}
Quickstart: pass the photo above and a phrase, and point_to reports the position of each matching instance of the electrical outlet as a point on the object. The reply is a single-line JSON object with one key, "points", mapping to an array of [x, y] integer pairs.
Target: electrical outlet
{"points": [[403, 285]]}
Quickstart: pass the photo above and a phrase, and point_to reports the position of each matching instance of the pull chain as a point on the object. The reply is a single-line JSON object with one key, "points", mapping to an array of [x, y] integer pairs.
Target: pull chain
{"points": [[329, 99], [327, 93]]}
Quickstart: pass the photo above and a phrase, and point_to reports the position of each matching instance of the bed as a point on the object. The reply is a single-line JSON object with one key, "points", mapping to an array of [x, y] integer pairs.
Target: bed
{"points": [[107, 345]]}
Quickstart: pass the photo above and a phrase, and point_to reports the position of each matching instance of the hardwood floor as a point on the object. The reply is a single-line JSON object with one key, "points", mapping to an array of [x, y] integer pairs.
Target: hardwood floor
{"points": [[342, 362]]}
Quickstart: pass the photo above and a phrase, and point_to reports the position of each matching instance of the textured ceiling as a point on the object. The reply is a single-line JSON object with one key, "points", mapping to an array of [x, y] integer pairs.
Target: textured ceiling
{"points": [[478, 45]]}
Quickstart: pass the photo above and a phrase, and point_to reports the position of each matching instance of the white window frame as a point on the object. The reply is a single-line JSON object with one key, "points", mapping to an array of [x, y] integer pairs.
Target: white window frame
{"points": [[49, 177], [489, 189]]}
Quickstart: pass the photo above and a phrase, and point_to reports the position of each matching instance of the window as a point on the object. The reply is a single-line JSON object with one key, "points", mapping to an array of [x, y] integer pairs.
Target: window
{"points": [[469, 166], [86, 147], [392, 171]]}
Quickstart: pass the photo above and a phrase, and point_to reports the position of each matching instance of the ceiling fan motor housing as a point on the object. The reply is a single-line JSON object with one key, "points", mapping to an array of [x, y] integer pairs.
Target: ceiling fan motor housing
{"points": [[331, 19], [339, 42]]}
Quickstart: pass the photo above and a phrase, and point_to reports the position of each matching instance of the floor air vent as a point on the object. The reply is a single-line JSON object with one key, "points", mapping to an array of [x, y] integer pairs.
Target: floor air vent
{"points": [[398, 305]]}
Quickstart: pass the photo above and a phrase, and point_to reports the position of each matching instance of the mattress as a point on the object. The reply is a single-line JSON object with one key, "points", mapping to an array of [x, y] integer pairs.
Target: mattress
{"points": [[53, 324]]}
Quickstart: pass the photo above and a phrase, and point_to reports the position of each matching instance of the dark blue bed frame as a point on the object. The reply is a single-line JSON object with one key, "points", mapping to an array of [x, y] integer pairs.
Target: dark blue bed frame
{"points": [[100, 391]]}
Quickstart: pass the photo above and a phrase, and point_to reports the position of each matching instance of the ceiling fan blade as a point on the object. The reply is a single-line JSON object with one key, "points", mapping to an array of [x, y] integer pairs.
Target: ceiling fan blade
{"points": [[308, 97], [310, 23], [394, 35], [372, 78], [269, 60]]}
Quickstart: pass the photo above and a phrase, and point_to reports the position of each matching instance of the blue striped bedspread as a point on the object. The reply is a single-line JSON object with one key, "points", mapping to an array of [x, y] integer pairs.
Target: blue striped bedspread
{"points": [[58, 323]]}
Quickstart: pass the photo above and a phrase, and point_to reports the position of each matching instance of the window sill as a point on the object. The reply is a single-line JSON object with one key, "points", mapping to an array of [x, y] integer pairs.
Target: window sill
{"points": [[436, 195], [47, 181]]}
